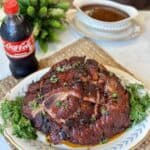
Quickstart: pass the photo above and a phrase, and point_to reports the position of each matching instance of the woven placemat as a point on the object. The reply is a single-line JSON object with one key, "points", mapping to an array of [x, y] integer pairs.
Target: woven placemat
{"points": [[83, 47]]}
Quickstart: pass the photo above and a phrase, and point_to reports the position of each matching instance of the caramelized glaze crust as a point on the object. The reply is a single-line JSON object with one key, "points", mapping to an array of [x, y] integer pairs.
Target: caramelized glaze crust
{"points": [[79, 101]]}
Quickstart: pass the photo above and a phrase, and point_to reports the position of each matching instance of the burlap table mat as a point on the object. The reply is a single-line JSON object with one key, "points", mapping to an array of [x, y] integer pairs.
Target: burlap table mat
{"points": [[83, 47]]}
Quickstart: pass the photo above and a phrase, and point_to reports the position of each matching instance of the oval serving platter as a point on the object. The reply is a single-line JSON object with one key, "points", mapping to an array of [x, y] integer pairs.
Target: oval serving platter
{"points": [[125, 141]]}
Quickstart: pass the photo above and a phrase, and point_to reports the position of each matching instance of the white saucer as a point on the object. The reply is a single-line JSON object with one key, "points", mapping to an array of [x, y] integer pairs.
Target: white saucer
{"points": [[132, 32]]}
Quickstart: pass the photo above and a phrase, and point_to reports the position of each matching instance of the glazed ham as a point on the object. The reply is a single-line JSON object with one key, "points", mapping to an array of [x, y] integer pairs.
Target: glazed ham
{"points": [[79, 101]]}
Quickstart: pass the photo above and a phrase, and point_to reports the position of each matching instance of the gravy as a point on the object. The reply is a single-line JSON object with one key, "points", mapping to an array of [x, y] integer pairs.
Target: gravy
{"points": [[104, 13]]}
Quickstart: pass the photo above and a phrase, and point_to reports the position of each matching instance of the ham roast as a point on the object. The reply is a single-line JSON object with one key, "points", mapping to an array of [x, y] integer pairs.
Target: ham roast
{"points": [[78, 101]]}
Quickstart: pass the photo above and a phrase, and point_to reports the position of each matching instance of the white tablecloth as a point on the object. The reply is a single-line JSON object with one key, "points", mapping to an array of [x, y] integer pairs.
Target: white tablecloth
{"points": [[133, 54]]}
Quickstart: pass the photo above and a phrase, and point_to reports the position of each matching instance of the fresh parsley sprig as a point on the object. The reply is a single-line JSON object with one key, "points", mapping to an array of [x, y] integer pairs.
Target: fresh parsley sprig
{"points": [[11, 113], [139, 102]]}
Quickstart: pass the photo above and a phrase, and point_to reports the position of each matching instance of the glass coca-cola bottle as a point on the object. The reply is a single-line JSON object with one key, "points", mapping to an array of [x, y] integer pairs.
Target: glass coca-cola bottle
{"points": [[18, 41]]}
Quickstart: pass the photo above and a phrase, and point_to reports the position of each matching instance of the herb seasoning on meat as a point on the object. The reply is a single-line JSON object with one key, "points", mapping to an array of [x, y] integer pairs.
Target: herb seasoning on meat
{"points": [[76, 107]]}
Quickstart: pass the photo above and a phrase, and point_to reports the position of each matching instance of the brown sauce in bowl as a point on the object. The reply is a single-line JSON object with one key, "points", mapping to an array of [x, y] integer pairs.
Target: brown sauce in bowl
{"points": [[104, 13]]}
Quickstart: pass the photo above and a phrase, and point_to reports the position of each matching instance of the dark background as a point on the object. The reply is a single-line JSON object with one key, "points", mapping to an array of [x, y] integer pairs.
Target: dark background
{"points": [[140, 4]]}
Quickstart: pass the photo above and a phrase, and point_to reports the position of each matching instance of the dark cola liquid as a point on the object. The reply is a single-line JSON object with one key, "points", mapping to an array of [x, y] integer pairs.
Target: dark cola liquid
{"points": [[13, 29]]}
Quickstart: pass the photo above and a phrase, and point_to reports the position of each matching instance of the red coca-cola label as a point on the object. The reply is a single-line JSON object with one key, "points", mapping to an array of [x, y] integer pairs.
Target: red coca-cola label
{"points": [[19, 49]]}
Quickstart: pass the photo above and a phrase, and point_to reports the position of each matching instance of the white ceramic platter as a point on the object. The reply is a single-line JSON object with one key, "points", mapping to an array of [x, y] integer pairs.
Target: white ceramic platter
{"points": [[132, 32], [125, 141]]}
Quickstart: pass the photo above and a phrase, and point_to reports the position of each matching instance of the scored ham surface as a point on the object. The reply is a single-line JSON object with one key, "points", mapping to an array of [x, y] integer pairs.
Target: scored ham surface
{"points": [[79, 101]]}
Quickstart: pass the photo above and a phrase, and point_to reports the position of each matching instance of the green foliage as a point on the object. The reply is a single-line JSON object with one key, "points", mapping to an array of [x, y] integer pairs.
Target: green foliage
{"points": [[47, 18], [53, 36], [31, 11], [24, 129], [58, 103], [43, 3], [63, 5], [43, 11], [43, 45], [23, 4], [56, 13], [11, 112], [34, 2], [55, 23], [139, 102], [2, 127], [36, 29], [53, 79], [44, 33]]}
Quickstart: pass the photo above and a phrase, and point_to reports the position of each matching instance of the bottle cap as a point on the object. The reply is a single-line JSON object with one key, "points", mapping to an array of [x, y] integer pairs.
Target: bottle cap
{"points": [[11, 7]]}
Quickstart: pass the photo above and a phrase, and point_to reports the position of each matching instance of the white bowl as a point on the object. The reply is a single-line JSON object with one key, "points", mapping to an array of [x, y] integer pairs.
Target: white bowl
{"points": [[103, 25]]}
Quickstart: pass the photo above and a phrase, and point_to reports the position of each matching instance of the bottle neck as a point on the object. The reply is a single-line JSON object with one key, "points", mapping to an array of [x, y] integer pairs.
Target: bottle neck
{"points": [[14, 19], [11, 15]]}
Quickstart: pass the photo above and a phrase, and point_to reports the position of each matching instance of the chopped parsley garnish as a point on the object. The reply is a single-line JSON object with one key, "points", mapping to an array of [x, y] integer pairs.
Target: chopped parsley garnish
{"points": [[11, 113], [39, 95], [60, 69], [114, 95], [58, 103], [76, 64], [61, 104], [139, 102], [34, 105], [104, 111], [53, 79], [93, 118], [65, 105], [104, 141]]}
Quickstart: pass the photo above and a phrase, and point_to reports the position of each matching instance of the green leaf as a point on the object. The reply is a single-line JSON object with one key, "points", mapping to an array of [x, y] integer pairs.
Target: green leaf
{"points": [[6, 110], [114, 95], [16, 116], [60, 69], [145, 101], [137, 113], [54, 23], [104, 141], [2, 128], [63, 5], [23, 4], [36, 29], [53, 79], [34, 105], [50, 2], [139, 104], [43, 12], [31, 11], [34, 2], [43, 46], [56, 12], [58, 104], [44, 34], [52, 36], [11, 112], [43, 2]]}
